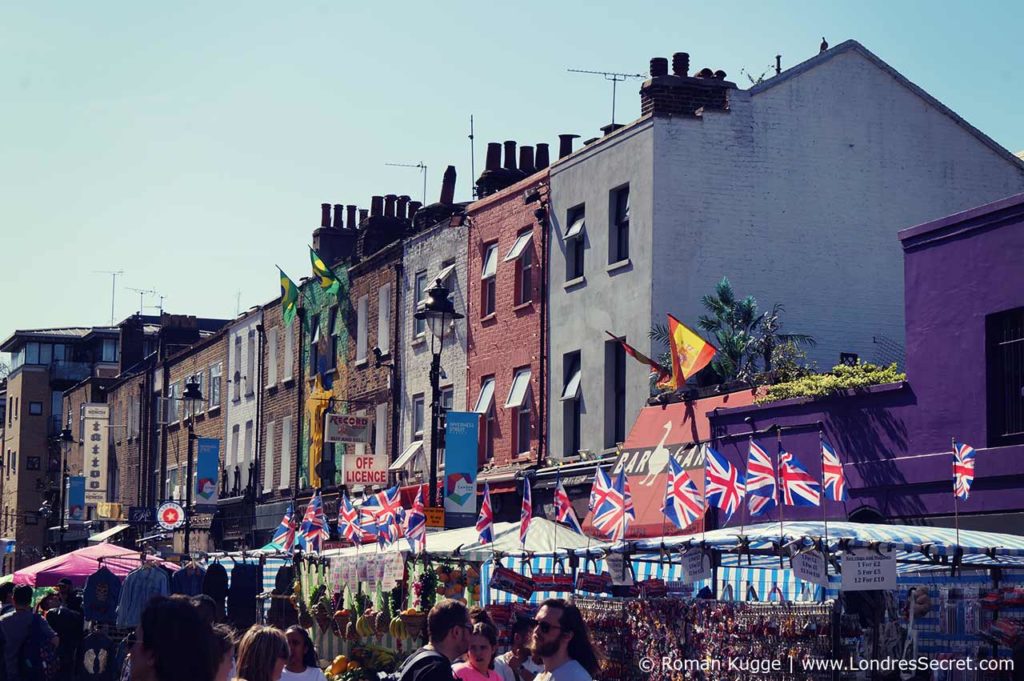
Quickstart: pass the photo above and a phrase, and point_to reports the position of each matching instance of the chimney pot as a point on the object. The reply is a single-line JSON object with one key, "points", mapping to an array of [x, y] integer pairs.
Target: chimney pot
{"points": [[720, 74], [510, 155], [565, 144], [403, 202], [339, 216], [389, 205], [526, 159], [414, 207], [543, 156], [493, 156], [448, 186], [681, 64], [706, 73], [659, 67], [350, 217], [325, 215], [376, 206], [363, 214]]}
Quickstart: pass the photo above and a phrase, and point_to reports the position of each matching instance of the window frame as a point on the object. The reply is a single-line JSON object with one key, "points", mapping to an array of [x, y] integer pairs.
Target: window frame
{"points": [[572, 402], [419, 293], [384, 319], [272, 357], [575, 243], [489, 280], [522, 254], [362, 327], [216, 371], [288, 361], [418, 410], [618, 232]]}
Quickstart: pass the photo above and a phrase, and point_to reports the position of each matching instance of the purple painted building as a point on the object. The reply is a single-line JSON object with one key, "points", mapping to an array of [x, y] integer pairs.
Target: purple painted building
{"points": [[964, 277]]}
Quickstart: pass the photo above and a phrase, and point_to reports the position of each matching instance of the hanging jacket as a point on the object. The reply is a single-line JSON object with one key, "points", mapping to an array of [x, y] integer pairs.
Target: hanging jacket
{"points": [[97, 659], [102, 593], [282, 613], [246, 585], [188, 581], [215, 585], [139, 586]]}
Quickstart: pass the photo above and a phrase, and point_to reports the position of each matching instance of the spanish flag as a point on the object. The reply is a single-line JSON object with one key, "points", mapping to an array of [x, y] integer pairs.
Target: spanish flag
{"points": [[289, 297], [328, 280], [690, 354], [660, 373]]}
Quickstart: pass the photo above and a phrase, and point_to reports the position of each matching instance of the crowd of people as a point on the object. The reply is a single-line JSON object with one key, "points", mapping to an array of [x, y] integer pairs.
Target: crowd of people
{"points": [[179, 639]]}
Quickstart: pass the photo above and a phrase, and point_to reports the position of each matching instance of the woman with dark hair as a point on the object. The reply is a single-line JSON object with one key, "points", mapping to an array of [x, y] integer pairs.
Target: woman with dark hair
{"points": [[483, 644], [262, 654], [173, 643], [561, 639], [303, 664]]}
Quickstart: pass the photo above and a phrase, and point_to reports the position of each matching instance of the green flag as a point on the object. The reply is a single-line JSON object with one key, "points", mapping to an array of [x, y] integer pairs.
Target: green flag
{"points": [[289, 297], [328, 281]]}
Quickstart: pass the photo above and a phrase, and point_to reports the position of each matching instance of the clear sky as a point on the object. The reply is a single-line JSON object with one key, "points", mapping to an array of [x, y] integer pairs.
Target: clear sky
{"points": [[190, 144]]}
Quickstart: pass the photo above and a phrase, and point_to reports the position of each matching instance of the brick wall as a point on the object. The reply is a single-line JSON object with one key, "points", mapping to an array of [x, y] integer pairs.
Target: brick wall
{"points": [[127, 397], [279, 401]]}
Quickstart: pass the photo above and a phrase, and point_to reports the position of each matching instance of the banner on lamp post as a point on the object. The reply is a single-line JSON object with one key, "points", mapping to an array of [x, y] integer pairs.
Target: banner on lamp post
{"points": [[207, 470], [96, 441], [460, 467], [75, 495]]}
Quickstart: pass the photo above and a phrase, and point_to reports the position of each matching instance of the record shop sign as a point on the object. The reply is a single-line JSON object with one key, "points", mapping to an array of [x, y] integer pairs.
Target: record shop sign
{"points": [[347, 428]]}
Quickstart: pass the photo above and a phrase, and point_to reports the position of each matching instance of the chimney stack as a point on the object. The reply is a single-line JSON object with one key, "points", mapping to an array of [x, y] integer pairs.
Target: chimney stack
{"points": [[526, 159], [681, 64], [543, 156], [493, 156], [659, 67], [389, 205], [448, 186], [350, 217], [363, 214], [339, 216], [325, 215], [565, 144], [403, 202], [510, 155], [414, 207], [376, 206], [681, 94]]}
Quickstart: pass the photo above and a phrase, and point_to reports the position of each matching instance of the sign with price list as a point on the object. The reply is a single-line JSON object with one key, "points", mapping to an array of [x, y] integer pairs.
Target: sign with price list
{"points": [[867, 570]]}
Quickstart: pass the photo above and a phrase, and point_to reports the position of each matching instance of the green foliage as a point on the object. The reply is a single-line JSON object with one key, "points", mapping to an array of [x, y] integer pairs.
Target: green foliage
{"points": [[842, 377]]}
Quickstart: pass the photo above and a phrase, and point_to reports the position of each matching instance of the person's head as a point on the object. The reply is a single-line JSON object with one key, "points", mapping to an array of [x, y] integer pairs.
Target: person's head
{"points": [[48, 602], [522, 632], [64, 589], [207, 608], [172, 642], [300, 647], [224, 642], [478, 615], [448, 628], [22, 596], [483, 643], [6, 592], [262, 654], [561, 629]]}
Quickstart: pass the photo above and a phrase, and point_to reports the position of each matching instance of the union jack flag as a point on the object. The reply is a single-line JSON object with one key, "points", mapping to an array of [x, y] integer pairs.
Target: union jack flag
{"points": [[683, 501], [832, 473], [963, 469], [563, 509], [600, 490], [314, 529], [612, 515], [348, 521], [285, 534], [526, 512], [724, 485], [798, 487], [416, 524], [761, 490], [390, 503], [485, 522]]}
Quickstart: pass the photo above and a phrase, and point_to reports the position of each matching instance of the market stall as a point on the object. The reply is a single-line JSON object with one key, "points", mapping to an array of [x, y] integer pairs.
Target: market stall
{"points": [[79, 565]]}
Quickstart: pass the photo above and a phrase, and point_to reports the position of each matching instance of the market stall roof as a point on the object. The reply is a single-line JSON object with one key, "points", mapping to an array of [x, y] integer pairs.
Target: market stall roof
{"points": [[78, 565]]}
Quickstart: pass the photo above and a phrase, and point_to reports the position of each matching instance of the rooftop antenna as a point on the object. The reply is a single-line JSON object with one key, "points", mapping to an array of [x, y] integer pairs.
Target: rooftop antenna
{"points": [[238, 302], [423, 168], [142, 292], [113, 288], [615, 78], [472, 160]]}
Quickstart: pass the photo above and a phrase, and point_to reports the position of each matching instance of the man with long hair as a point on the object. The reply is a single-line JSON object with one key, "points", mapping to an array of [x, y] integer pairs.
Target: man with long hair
{"points": [[561, 639]]}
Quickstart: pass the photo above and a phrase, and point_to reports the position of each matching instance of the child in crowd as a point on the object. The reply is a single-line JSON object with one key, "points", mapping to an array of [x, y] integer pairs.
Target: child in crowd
{"points": [[483, 643]]}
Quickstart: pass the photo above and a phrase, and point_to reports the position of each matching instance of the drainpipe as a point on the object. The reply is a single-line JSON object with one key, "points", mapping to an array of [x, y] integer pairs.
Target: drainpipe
{"points": [[163, 439], [542, 445], [396, 393], [257, 490], [301, 314]]}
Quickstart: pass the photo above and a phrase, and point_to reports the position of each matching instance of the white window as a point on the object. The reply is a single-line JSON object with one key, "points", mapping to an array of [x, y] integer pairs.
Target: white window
{"points": [[236, 373], [250, 364], [380, 425], [419, 326], [488, 275], [174, 403], [572, 405], [289, 351], [362, 324], [618, 235], [485, 406], [522, 254], [384, 318], [520, 387], [447, 397], [234, 447], [574, 244], [215, 372], [272, 358], [268, 458], [417, 417], [248, 453], [483, 401], [110, 350], [286, 448], [519, 402]]}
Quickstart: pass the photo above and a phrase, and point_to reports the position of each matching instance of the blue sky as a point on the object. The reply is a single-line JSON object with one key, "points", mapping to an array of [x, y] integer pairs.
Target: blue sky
{"points": [[190, 144]]}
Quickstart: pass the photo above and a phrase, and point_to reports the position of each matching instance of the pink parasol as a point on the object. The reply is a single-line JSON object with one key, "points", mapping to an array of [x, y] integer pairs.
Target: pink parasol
{"points": [[78, 565]]}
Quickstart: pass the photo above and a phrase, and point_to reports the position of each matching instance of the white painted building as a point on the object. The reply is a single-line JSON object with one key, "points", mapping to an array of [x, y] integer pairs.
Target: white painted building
{"points": [[795, 190], [240, 400]]}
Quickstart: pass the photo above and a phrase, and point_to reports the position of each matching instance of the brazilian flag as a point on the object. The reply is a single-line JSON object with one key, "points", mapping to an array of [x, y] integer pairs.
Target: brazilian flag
{"points": [[328, 281], [289, 297]]}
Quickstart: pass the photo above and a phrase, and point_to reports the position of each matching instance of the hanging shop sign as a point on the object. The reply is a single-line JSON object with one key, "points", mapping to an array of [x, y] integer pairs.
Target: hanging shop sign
{"points": [[461, 437], [552, 581], [696, 566], [141, 515], [595, 584], [504, 579], [207, 468], [867, 570], [347, 428], [76, 499], [96, 441], [170, 516], [810, 567]]}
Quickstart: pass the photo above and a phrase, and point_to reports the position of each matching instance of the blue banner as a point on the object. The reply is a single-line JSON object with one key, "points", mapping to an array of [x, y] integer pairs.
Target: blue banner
{"points": [[460, 467], [76, 499], [207, 469]]}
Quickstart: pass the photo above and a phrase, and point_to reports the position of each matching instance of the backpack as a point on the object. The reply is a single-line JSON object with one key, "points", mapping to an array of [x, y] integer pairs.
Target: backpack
{"points": [[409, 663], [38, 660]]}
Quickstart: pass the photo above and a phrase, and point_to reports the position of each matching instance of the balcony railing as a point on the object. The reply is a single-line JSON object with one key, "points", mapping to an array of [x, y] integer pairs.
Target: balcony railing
{"points": [[62, 370]]}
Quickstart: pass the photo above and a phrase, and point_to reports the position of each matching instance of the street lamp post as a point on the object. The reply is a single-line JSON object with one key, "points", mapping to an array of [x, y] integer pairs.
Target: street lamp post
{"points": [[193, 398], [66, 439], [438, 311]]}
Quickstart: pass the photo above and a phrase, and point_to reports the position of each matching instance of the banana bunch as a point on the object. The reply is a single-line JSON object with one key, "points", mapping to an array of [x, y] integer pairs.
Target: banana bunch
{"points": [[397, 629], [364, 626]]}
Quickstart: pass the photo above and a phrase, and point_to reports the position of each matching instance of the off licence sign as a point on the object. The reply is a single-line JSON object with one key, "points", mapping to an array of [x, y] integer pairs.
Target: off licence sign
{"points": [[867, 570]]}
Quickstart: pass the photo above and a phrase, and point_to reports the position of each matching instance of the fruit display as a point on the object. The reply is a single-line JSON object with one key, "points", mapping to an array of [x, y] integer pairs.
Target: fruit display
{"points": [[362, 662]]}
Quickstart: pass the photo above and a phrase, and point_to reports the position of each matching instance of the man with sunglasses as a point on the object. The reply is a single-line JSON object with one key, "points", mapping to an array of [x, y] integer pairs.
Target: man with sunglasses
{"points": [[448, 630], [562, 641]]}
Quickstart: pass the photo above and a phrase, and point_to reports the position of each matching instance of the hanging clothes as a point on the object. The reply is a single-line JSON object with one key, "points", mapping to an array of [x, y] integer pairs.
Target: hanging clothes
{"points": [[188, 580], [282, 613], [139, 586], [102, 593], [97, 661], [246, 585], [215, 585]]}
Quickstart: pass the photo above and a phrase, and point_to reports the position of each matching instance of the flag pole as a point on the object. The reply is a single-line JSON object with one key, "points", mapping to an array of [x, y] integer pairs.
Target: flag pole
{"points": [[782, 501], [746, 481], [824, 515], [558, 486], [704, 498], [956, 500]]}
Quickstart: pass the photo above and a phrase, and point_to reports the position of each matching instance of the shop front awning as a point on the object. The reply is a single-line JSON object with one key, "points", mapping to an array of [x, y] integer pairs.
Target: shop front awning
{"points": [[407, 456], [107, 534]]}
